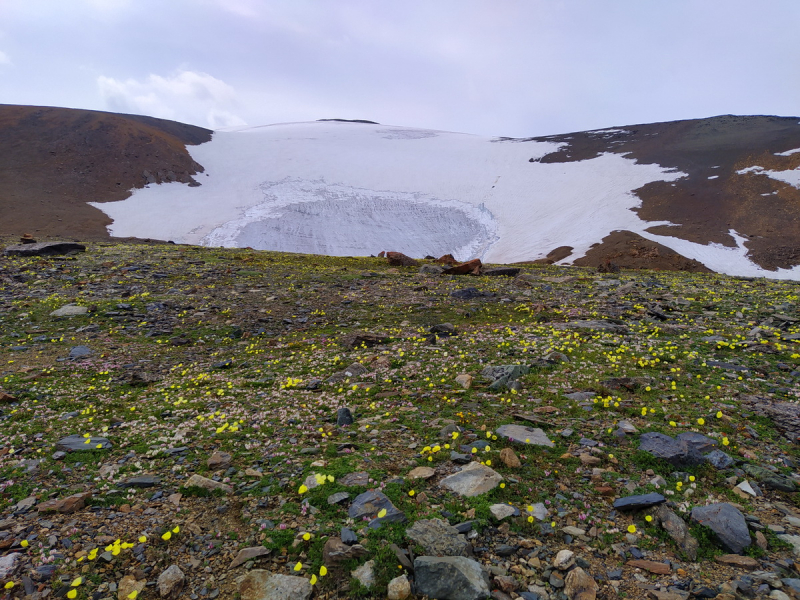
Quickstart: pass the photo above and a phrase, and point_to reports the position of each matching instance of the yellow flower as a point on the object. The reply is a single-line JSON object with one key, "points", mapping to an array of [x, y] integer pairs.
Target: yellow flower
{"points": [[719, 414], [72, 594], [142, 539], [313, 579], [306, 536], [323, 570], [411, 493], [631, 528], [691, 477], [9, 585], [725, 441], [77, 581], [381, 513], [177, 529], [298, 566], [166, 536], [303, 489], [673, 424], [132, 595], [701, 421], [502, 485], [24, 543], [649, 519]]}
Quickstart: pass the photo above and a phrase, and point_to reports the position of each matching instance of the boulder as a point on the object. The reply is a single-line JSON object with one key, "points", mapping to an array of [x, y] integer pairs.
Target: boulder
{"points": [[638, 502], [438, 538], [473, 480], [727, 522], [260, 584], [170, 582], [451, 578], [44, 249], [579, 585], [678, 530], [472, 267], [67, 505], [522, 434], [398, 259]]}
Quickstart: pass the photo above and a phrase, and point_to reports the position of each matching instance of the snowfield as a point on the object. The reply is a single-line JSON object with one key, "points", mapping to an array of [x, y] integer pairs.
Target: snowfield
{"points": [[344, 189]]}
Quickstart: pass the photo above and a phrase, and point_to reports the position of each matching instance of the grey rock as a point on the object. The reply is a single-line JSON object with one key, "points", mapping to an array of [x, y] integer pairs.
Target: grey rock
{"points": [[259, 584], [336, 552], [431, 269], [338, 497], [438, 538], [170, 582], [522, 434], [365, 574], [719, 459], [580, 396], [77, 442], [679, 452], [141, 481], [44, 249], [348, 536], [770, 479], [208, 484], [70, 310], [727, 522], [564, 560], [8, 564], [451, 578], [473, 480], [359, 478], [344, 417], [79, 352], [502, 511], [355, 370], [638, 502], [539, 512], [372, 502], [246, 554], [678, 530], [793, 540], [219, 460]]}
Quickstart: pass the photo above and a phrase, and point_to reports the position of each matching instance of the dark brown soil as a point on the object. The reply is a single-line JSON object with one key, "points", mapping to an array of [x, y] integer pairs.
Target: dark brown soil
{"points": [[705, 210], [55, 160], [628, 250]]}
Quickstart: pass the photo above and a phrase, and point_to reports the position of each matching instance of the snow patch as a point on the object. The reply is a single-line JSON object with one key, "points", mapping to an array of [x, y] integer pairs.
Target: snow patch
{"points": [[791, 176], [788, 152]]}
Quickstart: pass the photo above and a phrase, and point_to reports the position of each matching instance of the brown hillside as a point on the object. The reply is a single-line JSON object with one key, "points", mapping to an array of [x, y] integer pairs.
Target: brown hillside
{"points": [[55, 160]]}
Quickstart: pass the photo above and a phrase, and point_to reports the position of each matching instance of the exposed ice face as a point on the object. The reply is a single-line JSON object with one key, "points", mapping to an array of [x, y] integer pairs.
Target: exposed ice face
{"points": [[319, 218]]}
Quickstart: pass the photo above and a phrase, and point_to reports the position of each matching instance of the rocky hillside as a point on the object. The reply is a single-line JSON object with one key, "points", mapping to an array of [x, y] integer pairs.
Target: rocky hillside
{"points": [[53, 161], [182, 422]]}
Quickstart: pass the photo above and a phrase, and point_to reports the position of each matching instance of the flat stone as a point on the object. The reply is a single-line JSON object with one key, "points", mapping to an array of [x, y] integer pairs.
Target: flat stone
{"points": [[573, 531], [473, 480], [8, 564], [370, 504], [451, 578], [770, 479], [170, 582], [638, 502], [70, 310], [438, 538], [246, 554], [77, 352], [141, 481], [521, 434], [207, 484], [745, 487], [219, 460], [579, 585], [675, 451], [260, 584], [360, 478], [538, 511], [422, 473], [727, 522], [793, 540], [734, 560], [502, 511], [338, 497], [44, 249], [336, 552], [67, 505], [658, 568], [77, 442]]}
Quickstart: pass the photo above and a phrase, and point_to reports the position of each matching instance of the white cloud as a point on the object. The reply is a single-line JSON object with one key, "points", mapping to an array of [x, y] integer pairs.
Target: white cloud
{"points": [[188, 96], [4, 59]]}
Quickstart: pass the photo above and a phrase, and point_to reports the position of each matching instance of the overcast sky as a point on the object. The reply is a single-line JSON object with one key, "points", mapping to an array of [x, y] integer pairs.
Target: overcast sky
{"points": [[493, 67]]}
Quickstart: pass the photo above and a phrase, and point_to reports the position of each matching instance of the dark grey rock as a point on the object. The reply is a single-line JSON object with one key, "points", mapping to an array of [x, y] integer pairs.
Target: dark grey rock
{"points": [[719, 459], [451, 578], [677, 452], [637, 502], [678, 530], [344, 417], [141, 481], [468, 294], [770, 479], [438, 538], [370, 504], [338, 497], [80, 352], [460, 459], [348, 536], [727, 522], [78, 442], [44, 249]]}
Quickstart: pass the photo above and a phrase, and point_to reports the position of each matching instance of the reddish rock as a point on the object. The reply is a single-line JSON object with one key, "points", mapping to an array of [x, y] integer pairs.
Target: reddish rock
{"points": [[604, 490], [398, 259], [472, 267], [4, 397], [734, 560], [509, 458], [447, 259], [658, 568], [67, 505]]}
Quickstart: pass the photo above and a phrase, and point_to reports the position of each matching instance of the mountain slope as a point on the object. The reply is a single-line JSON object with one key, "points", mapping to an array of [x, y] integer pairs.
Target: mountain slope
{"points": [[55, 160], [723, 191]]}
